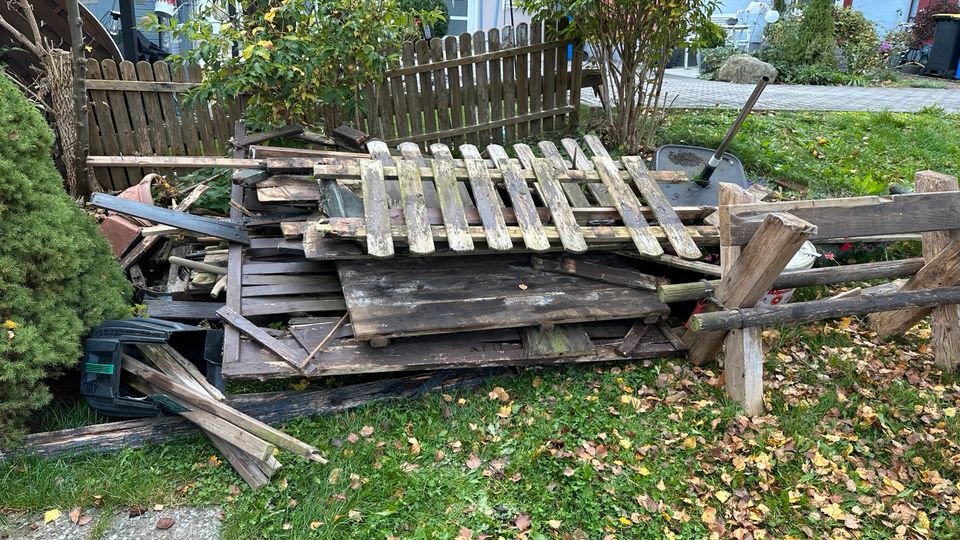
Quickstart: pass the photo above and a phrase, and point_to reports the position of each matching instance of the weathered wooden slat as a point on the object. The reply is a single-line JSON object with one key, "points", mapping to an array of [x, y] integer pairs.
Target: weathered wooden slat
{"points": [[411, 151], [522, 66], [483, 89], [442, 152], [853, 217], [496, 85], [574, 193], [628, 205], [154, 112], [563, 218], [524, 207], [668, 219], [188, 116], [419, 239], [408, 59], [595, 269], [424, 68], [580, 161], [477, 57], [509, 82], [597, 234], [145, 139], [375, 209], [278, 348], [272, 305], [561, 341], [469, 88], [536, 73], [454, 219], [441, 95], [182, 220], [380, 152], [451, 47], [494, 226]]}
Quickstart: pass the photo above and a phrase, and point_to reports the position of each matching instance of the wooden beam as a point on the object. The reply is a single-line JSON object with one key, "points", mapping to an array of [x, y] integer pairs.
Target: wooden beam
{"points": [[747, 279], [349, 170], [830, 275], [578, 266], [197, 224], [852, 217], [827, 308], [179, 162], [167, 385], [944, 320], [942, 271], [288, 355]]}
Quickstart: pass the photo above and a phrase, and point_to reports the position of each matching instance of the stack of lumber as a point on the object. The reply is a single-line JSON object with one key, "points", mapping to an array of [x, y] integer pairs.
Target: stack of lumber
{"points": [[404, 260], [173, 381]]}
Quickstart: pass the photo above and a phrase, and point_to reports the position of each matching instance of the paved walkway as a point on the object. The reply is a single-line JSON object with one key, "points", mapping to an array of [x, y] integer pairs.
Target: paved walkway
{"points": [[697, 93]]}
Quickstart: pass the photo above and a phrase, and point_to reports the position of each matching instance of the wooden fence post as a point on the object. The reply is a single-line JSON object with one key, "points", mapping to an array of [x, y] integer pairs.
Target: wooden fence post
{"points": [[747, 276], [944, 320]]}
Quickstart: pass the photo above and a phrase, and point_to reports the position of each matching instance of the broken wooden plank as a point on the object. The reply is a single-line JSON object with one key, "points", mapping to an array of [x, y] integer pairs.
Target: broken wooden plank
{"points": [[941, 271], [629, 207], [375, 206], [524, 207], [198, 224], [488, 206], [563, 217], [419, 239], [666, 217], [595, 270], [451, 205], [234, 319]]}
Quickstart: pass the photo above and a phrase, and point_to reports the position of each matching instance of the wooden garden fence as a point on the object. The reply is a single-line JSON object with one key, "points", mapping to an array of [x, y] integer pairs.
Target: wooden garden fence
{"points": [[479, 88], [139, 109]]}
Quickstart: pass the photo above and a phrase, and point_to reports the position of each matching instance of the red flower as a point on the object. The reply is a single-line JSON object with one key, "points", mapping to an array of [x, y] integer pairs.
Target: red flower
{"points": [[846, 247]]}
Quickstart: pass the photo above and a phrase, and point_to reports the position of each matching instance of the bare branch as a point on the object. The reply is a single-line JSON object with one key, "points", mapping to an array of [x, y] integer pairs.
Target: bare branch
{"points": [[34, 48], [27, 9]]}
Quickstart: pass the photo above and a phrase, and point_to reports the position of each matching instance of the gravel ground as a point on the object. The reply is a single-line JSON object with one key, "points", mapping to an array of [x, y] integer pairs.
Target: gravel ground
{"points": [[190, 523]]}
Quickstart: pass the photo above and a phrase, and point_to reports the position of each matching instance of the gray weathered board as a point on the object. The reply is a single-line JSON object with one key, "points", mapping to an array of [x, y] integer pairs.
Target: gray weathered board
{"points": [[409, 297], [344, 355], [543, 200]]}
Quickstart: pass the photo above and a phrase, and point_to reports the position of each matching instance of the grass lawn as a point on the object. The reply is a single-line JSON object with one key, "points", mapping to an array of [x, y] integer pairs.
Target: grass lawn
{"points": [[831, 154], [860, 439]]}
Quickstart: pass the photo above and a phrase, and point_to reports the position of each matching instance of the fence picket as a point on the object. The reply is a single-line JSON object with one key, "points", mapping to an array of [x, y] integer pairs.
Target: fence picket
{"points": [[469, 90], [496, 85], [522, 68], [453, 87], [509, 83], [536, 75]]}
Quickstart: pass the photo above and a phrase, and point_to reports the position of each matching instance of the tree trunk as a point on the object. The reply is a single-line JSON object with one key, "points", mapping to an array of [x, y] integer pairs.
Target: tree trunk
{"points": [[60, 72]]}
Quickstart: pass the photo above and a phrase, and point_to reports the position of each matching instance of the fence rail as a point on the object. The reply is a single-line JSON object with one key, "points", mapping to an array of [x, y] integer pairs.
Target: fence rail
{"points": [[480, 88], [138, 109]]}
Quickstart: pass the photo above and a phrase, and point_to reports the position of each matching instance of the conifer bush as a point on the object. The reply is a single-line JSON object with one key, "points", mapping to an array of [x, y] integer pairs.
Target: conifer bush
{"points": [[58, 277]]}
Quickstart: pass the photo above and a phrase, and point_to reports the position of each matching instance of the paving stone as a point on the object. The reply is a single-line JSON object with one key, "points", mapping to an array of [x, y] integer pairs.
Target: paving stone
{"points": [[190, 523], [688, 92]]}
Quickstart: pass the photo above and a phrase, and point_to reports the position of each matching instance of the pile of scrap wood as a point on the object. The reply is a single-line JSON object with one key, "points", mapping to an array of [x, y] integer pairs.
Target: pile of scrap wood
{"points": [[173, 381], [400, 260]]}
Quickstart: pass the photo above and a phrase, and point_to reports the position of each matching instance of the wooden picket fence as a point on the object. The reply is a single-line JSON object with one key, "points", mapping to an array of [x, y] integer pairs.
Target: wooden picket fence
{"points": [[480, 88], [139, 109]]}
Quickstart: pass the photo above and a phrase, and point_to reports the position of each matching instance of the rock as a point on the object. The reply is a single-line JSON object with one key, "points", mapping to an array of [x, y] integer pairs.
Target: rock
{"points": [[743, 68]]}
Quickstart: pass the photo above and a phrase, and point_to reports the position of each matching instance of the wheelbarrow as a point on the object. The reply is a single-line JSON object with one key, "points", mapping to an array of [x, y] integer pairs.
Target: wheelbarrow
{"points": [[705, 167]]}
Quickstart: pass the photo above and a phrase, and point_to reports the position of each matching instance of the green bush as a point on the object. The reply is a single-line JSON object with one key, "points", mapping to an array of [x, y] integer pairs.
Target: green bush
{"points": [[816, 39], [58, 277], [712, 59], [858, 41]]}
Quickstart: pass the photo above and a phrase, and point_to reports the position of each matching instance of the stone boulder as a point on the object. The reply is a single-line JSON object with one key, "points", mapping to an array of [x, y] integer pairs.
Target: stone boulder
{"points": [[743, 68]]}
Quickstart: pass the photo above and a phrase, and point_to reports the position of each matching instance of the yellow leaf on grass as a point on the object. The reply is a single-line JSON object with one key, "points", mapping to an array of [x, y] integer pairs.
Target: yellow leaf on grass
{"points": [[51, 515], [833, 510], [709, 515], [820, 461], [722, 495], [690, 443], [314, 525], [643, 471], [625, 521], [9, 325], [630, 400], [950, 412], [505, 411]]}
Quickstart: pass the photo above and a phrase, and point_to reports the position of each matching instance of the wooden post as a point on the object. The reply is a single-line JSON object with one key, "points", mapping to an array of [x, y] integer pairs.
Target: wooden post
{"points": [[943, 270], [747, 276], [944, 320]]}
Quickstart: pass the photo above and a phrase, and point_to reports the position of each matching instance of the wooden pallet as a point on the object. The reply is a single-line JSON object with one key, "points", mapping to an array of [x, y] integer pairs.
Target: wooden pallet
{"points": [[543, 197]]}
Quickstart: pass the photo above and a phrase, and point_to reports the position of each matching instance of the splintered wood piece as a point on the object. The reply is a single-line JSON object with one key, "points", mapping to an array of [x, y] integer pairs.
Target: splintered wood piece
{"points": [[376, 209], [580, 161], [259, 429], [666, 216], [411, 151], [632, 338], [628, 205], [494, 226], [596, 271], [944, 320], [596, 146], [251, 470], [451, 205], [524, 207], [574, 193], [442, 152], [419, 239], [234, 319], [560, 341], [942, 271], [560, 211], [381, 152], [752, 275], [164, 353]]}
